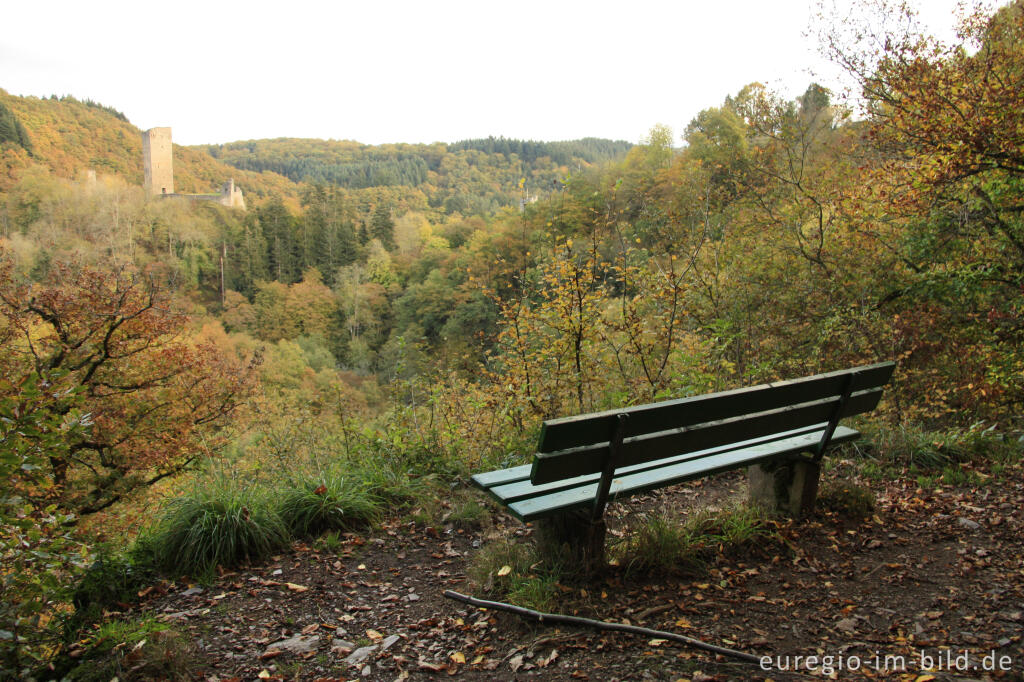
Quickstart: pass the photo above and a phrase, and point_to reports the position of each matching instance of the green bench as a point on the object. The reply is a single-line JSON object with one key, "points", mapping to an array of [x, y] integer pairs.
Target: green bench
{"points": [[780, 430]]}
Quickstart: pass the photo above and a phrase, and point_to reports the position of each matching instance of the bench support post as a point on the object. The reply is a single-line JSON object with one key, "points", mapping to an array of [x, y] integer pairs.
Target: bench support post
{"points": [[789, 487], [826, 437], [578, 535], [610, 462], [574, 538]]}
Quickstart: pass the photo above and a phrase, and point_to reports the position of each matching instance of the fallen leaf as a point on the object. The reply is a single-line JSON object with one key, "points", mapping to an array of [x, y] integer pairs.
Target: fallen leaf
{"points": [[458, 657], [545, 662], [504, 570], [656, 642], [374, 635], [516, 662], [296, 588]]}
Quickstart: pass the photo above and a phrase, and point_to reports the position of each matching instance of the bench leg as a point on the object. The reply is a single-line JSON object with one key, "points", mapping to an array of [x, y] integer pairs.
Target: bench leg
{"points": [[574, 538], [787, 487]]}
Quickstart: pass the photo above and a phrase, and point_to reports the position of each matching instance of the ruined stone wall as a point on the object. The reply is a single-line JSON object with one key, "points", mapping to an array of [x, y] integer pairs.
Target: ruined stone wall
{"points": [[156, 161], [231, 196]]}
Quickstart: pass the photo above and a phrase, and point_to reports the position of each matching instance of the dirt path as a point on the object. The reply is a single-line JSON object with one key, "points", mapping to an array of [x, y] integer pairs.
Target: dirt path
{"points": [[935, 577]]}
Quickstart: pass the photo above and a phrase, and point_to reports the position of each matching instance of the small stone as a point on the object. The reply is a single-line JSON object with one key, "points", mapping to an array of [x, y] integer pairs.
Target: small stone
{"points": [[340, 643], [968, 524], [847, 625], [366, 671], [192, 591], [389, 642], [296, 645], [360, 655], [413, 597]]}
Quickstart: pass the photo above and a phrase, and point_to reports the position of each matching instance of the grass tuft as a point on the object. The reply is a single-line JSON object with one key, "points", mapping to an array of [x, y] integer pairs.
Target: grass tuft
{"points": [[669, 546], [515, 573], [133, 650], [221, 522], [328, 502]]}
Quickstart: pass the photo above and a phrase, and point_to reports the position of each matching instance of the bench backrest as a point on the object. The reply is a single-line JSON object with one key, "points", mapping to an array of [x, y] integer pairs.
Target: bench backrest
{"points": [[576, 446]]}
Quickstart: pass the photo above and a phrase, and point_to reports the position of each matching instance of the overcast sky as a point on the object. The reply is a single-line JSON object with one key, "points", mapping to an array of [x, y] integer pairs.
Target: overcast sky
{"points": [[413, 71]]}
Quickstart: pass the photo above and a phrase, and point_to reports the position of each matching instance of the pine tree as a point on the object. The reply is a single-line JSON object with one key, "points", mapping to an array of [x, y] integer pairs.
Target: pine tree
{"points": [[382, 226]]}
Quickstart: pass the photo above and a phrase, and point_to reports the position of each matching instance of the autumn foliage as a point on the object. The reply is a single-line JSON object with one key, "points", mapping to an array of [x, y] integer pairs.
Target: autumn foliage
{"points": [[120, 396]]}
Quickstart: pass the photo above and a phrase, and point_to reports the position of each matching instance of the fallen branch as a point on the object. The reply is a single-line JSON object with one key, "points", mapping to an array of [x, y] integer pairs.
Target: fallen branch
{"points": [[601, 625]]}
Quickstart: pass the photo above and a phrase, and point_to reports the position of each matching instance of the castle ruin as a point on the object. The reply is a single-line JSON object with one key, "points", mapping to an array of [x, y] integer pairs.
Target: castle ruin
{"points": [[156, 161], [159, 174]]}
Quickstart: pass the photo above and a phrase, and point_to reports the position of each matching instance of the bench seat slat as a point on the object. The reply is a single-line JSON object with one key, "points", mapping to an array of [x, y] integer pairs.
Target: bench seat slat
{"points": [[555, 466], [653, 478], [587, 429], [491, 479], [514, 491]]}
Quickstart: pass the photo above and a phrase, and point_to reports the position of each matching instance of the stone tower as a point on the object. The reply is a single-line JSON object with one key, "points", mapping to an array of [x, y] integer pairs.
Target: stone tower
{"points": [[156, 161]]}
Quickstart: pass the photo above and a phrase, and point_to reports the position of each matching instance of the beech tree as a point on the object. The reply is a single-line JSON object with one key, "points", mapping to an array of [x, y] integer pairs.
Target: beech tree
{"points": [[103, 392]]}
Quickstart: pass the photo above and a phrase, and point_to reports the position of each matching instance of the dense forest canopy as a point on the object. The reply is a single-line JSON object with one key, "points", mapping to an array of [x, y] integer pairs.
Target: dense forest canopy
{"points": [[426, 306], [467, 177]]}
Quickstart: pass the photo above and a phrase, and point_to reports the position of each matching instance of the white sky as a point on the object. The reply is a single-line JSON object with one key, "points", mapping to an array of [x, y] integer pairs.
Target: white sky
{"points": [[412, 71]]}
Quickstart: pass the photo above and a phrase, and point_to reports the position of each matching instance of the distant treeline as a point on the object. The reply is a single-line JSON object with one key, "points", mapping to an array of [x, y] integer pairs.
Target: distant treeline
{"points": [[91, 103], [589, 149], [355, 166], [375, 171]]}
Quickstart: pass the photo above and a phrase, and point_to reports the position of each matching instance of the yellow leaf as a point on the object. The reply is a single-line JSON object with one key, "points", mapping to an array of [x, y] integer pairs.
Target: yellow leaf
{"points": [[458, 657], [504, 570], [656, 642], [296, 588], [924, 678], [374, 635], [264, 674], [478, 660]]}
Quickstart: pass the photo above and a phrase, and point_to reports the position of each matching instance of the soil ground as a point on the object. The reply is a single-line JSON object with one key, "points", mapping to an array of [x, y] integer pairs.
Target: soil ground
{"points": [[930, 577]]}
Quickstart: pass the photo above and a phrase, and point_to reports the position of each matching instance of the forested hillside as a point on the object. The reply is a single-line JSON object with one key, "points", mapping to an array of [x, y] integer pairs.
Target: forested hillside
{"points": [[384, 321], [475, 177], [68, 137]]}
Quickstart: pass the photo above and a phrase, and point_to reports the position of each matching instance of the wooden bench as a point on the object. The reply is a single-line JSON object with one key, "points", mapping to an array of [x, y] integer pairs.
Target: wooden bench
{"points": [[780, 430]]}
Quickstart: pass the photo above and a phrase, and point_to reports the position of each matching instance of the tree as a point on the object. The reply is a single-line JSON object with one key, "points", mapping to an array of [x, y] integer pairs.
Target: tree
{"points": [[382, 226], [947, 198], [101, 356]]}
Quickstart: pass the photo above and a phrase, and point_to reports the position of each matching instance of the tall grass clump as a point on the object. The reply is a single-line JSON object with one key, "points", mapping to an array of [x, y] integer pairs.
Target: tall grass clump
{"points": [[220, 521], [912, 446], [328, 501]]}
